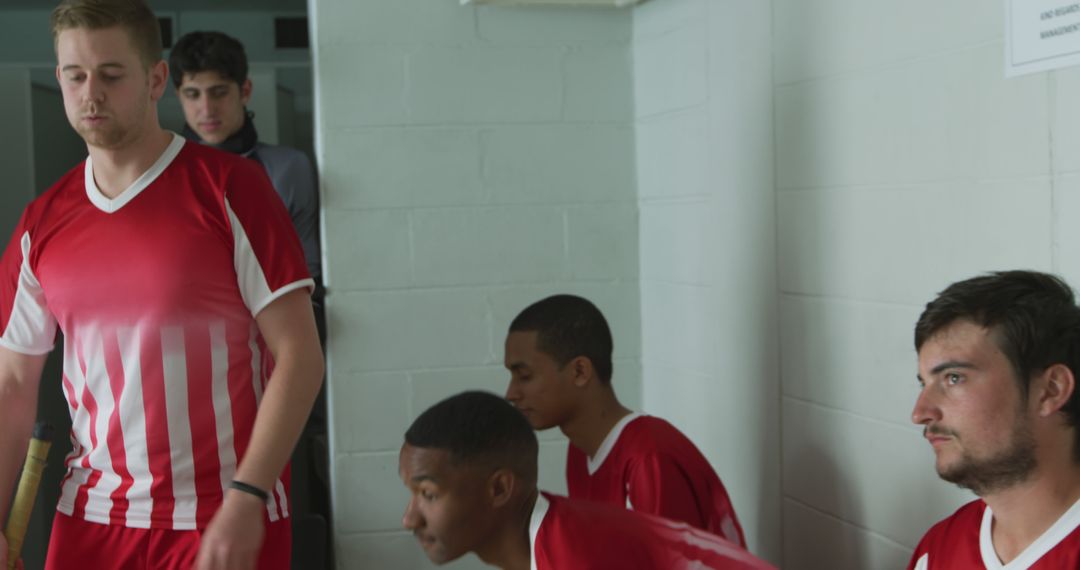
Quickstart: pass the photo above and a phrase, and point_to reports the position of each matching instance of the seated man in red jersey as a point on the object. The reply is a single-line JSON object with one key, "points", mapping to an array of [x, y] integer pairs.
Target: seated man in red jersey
{"points": [[558, 352], [470, 465], [998, 356]]}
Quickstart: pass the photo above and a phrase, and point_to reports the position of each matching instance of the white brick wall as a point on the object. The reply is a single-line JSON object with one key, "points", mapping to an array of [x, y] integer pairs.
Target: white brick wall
{"points": [[703, 102], [477, 159], [904, 161], [474, 160]]}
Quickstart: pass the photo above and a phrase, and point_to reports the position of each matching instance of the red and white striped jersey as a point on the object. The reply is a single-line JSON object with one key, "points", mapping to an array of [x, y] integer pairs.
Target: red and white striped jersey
{"points": [[155, 292], [964, 541], [564, 533], [648, 465]]}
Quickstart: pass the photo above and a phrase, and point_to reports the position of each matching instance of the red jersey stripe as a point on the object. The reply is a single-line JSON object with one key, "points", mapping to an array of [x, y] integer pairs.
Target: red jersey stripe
{"points": [[203, 422], [157, 440], [117, 456]]}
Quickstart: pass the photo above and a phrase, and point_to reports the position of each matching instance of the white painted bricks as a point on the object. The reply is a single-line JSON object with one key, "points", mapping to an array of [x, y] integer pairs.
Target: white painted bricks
{"points": [[474, 160]]}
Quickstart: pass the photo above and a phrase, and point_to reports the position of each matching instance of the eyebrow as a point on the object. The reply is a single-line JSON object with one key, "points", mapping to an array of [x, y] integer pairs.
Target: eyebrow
{"points": [[210, 87], [422, 478], [517, 366], [110, 65], [948, 365]]}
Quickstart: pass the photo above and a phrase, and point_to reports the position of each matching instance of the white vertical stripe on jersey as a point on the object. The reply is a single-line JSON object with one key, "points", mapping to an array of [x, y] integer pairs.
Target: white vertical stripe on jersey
{"points": [[70, 490], [283, 497], [249, 274], [31, 328], [80, 427], [97, 383], [219, 369], [133, 425], [257, 386], [174, 371]]}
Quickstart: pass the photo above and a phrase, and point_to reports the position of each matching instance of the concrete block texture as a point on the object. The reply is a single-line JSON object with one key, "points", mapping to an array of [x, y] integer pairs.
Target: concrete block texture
{"points": [[368, 495], [432, 386], [544, 26], [898, 244], [550, 164], [369, 249], [474, 246], [963, 122], [864, 472], [850, 355], [662, 87], [830, 37], [680, 325], [477, 84], [377, 99], [679, 242], [407, 329], [814, 539], [1066, 230], [674, 155], [1065, 85], [369, 412], [653, 19], [602, 242], [598, 84], [394, 167], [406, 22]]}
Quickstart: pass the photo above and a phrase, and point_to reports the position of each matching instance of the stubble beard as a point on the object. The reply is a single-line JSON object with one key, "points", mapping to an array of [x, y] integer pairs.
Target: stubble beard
{"points": [[1000, 471]]}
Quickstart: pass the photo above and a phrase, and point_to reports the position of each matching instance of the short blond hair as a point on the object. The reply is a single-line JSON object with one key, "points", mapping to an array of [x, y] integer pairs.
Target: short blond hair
{"points": [[132, 15]]}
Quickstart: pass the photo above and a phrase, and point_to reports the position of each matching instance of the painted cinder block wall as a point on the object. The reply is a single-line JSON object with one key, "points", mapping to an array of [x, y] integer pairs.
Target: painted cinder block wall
{"points": [[473, 160], [703, 108], [904, 161]]}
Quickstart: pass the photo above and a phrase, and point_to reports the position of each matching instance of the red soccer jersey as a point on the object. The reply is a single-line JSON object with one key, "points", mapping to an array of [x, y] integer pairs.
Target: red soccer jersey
{"points": [[155, 292], [963, 542], [589, 536], [647, 465]]}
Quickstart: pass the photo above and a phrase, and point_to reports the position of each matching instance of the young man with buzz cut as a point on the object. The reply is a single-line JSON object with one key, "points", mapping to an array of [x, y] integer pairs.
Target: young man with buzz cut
{"points": [[558, 352], [998, 357], [191, 358], [469, 463]]}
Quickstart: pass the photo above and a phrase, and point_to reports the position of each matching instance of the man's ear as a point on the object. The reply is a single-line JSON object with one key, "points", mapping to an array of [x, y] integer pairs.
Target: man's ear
{"points": [[1055, 386], [501, 486], [582, 369], [159, 78], [245, 91]]}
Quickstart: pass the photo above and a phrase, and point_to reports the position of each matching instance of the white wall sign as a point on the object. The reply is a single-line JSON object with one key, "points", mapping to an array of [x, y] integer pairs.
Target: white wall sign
{"points": [[1041, 35]]}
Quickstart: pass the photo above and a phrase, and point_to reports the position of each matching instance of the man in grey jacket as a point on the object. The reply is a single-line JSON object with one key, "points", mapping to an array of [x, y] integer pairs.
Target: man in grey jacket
{"points": [[210, 73]]}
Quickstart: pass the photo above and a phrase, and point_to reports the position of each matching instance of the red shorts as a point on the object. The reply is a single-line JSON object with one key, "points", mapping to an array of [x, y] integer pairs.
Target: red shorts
{"points": [[76, 544]]}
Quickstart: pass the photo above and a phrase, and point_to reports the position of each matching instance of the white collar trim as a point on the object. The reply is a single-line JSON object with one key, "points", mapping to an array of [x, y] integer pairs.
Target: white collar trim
{"points": [[111, 205], [540, 509], [594, 462], [1053, 536]]}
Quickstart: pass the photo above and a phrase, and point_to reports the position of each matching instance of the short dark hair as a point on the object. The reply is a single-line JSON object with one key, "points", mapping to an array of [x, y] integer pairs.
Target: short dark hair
{"points": [[134, 16], [208, 51], [1032, 316], [478, 428], [568, 326]]}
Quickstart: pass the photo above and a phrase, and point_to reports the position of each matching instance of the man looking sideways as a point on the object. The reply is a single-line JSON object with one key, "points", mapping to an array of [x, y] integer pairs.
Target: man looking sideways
{"points": [[998, 356]]}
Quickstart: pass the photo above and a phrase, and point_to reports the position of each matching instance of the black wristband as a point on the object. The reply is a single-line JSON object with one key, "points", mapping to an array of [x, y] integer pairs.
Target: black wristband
{"points": [[249, 489]]}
